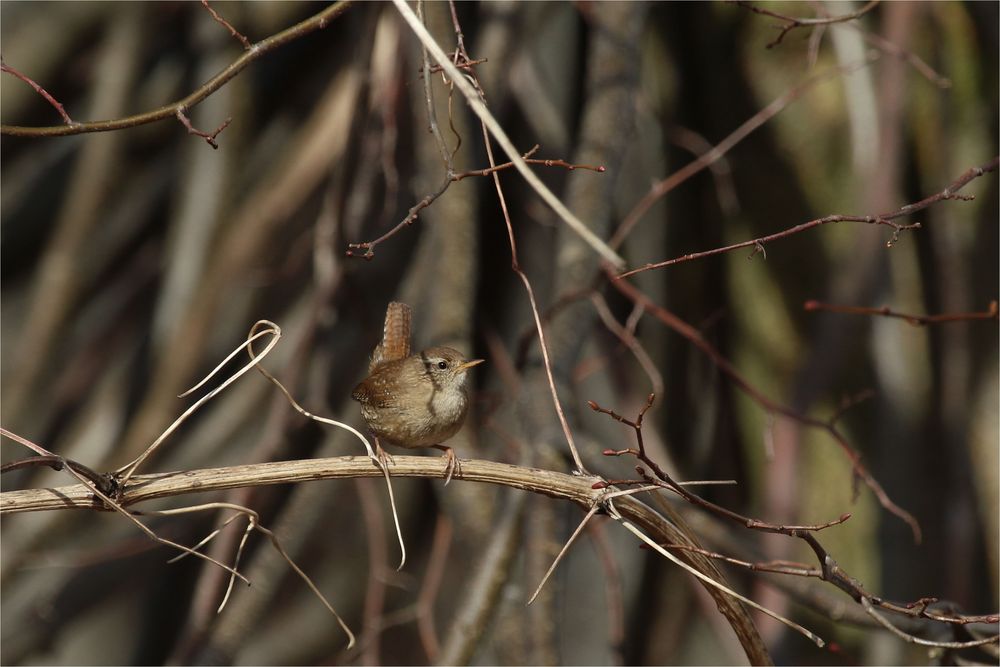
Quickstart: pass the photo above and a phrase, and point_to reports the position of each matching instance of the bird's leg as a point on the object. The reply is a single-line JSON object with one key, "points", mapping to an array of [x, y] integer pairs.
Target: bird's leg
{"points": [[452, 464], [384, 457]]}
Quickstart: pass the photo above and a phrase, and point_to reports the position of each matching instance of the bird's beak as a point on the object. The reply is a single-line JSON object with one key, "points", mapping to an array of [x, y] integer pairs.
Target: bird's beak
{"points": [[470, 364]]}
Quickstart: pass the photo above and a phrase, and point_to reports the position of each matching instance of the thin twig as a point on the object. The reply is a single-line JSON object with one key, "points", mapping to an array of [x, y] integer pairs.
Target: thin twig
{"points": [[209, 137], [628, 339], [460, 65], [516, 267], [774, 566], [97, 499], [253, 523], [4, 67], [494, 128], [886, 219], [232, 31], [411, 217], [527, 158], [829, 570], [990, 313], [451, 177], [667, 482], [793, 22], [562, 552], [446, 157], [772, 407], [910, 639]]}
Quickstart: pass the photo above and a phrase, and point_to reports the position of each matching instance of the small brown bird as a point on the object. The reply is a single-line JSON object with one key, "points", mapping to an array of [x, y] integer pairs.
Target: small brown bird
{"points": [[417, 400]]}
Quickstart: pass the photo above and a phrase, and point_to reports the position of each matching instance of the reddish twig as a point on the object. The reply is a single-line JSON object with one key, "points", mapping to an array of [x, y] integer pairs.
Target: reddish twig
{"points": [[883, 45], [451, 177], [516, 268], [599, 168], [772, 566], [434, 69], [772, 407], [793, 22], [527, 158], [4, 67], [232, 31], [514, 262], [990, 313], [949, 192], [446, 181], [411, 217], [919, 609], [667, 482], [209, 137], [869, 608]]}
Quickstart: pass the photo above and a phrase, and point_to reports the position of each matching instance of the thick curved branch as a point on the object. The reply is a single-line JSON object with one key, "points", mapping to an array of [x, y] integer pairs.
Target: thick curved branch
{"points": [[161, 485]]}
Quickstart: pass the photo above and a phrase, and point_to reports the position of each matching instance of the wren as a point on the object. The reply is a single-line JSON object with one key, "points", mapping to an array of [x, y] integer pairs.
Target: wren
{"points": [[417, 400]]}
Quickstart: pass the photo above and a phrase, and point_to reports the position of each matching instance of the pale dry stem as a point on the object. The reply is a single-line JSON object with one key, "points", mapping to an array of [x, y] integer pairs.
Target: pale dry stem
{"points": [[253, 523], [332, 422], [480, 109], [130, 468], [598, 504]]}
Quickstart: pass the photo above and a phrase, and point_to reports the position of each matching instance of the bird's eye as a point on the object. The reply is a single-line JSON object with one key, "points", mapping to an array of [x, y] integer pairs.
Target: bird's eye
{"points": [[442, 365]]}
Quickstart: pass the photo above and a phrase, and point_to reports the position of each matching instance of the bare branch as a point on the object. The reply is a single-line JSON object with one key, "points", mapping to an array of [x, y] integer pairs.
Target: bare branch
{"points": [[479, 108], [793, 22], [4, 67], [694, 336], [886, 219], [313, 23], [717, 152], [226, 24], [990, 313], [209, 137]]}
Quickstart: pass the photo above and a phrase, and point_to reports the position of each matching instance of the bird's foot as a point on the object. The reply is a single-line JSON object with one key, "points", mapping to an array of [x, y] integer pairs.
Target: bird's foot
{"points": [[452, 464]]}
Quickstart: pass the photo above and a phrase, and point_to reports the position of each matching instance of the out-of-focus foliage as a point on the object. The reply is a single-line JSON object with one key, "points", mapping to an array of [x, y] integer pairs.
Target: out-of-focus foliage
{"points": [[133, 261]]}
